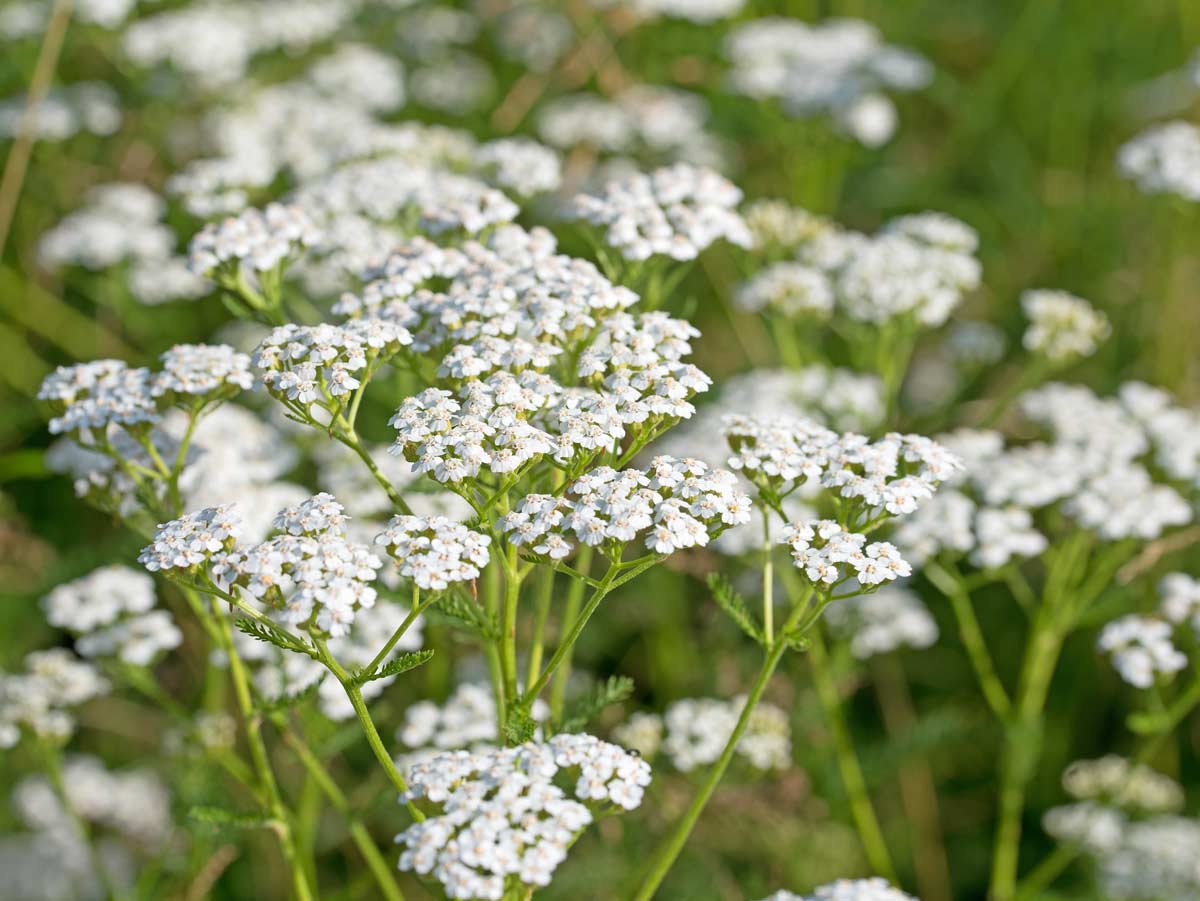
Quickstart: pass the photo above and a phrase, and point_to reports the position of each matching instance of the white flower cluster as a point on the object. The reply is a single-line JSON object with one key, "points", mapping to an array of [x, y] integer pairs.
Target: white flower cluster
{"points": [[1115, 780], [1180, 599], [39, 698], [778, 228], [134, 803], [317, 364], [504, 818], [646, 120], [360, 74], [118, 222], [89, 106], [100, 396], [789, 289], [874, 889], [894, 474], [916, 266], [213, 44], [701, 12], [261, 240], [838, 398], [697, 729], [1092, 468], [879, 623], [952, 521], [311, 574], [642, 733], [1141, 649], [828, 555], [110, 611], [434, 551], [520, 165], [840, 67], [1092, 827], [452, 441], [1062, 326], [395, 188], [676, 503], [1156, 858], [1164, 159], [676, 211], [515, 288], [466, 720]]}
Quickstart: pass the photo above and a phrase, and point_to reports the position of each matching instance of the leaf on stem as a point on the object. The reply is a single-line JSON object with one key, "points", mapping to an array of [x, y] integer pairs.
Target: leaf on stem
{"points": [[271, 634], [231, 819], [295, 699], [519, 727], [466, 614], [612, 690], [397, 665], [735, 606]]}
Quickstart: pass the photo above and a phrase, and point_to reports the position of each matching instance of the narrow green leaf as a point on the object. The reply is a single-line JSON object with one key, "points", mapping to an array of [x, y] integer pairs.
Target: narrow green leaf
{"points": [[231, 819], [464, 613], [394, 667], [271, 634], [295, 699], [612, 690], [735, 606]]}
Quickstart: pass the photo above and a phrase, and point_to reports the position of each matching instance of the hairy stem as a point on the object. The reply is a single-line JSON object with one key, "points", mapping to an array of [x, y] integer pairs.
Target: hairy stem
{"points": [[558, 692]]}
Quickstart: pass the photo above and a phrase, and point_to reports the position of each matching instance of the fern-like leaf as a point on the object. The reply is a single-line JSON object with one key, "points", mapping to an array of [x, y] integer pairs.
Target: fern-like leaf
{"points": [[231, 819], [612, 690], [394, 667], [519, 727], [735, 606], [295, 699], [272, 634]]}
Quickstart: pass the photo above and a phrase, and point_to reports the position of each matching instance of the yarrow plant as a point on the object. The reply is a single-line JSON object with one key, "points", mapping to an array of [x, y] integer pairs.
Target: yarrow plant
{"points": [[490, 413]]}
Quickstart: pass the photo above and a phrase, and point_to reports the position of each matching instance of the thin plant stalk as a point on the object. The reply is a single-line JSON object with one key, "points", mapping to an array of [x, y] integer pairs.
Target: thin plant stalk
{"points": [[17, 164], [252, 725], [951, 585], [861, 809], [368, 725], [667, 853], [558, 691], [918, 792], [358, 832], [53, 763]]}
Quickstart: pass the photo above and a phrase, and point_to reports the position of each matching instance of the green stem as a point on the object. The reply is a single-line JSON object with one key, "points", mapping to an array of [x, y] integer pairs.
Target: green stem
{"points": [[508, 624], [413, 613], [562, 654], [368, 725], [541, 614], [252, 725], [351, 440], [358, 832], [1033, 885], [1022, 738], [861, 809], [950, 584], [558, 692], [768, 579], [664, 858]]}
